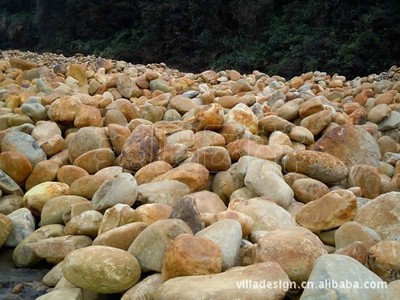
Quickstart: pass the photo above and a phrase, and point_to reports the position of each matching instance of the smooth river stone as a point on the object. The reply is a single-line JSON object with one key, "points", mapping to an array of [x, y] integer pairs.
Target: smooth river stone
{"points": [[63, 110], [342, 269], [122, 189], [6, 226], [56, 248], [265, 179], [318, 165], [69, 173], [23, 224], [209, 117], [382, 214], [44, 171], [235, 283], [118, 215], [214, 158], [25, 144], [164, 191], [147, 173], [37, 197], [16, 165], [54, 209], [102, 269], [24, 255], [328, 211], [194, 175], [265, 214], [87, 223], [120, 237], [282, 246], [95, 160], [351, 232], [352, 144], [189, 255], [227, 234], [384, 260], [86, 139], [150, 245], [8, 185]]}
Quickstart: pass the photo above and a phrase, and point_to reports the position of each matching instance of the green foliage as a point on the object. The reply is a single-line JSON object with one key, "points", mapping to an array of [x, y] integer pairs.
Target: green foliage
{"points": [[277, 37]]}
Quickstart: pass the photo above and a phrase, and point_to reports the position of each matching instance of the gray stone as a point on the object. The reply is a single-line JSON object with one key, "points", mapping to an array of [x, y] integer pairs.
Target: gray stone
{"points": [[227, 234], [122, 189], [8, 185], [265, 179], [382, 215], [24, 143], [392, 122], [23, 225], [186, 210], [332, 272]]}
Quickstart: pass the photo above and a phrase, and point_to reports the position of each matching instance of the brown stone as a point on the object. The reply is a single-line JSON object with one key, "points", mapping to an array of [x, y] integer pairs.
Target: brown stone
{"points": [[118, 135], [152, 212], [88, 115], [64, 109], [87, 185], [363, 96], [209, 117], [120, 237], [86, 139], [246, 222], [317, 122], [194, 175], [187, 211], [308, 189], [95, 160], [214, 158], [328, 211], [6, 226], [232, 132], [151, 171], [182, 104], [54, 209], [16, 165], [206, 138], [44, 171], [384, 260], [273, 123], [69, 173], [351, 232], [382, 215], [241, 114], [282, 246], [191, 255], [318, 165], [140, 148], [225, 285], [347, 142], [118, 215], [356, 250], [385, 98], [78, 72], [310, 107], [367, 178]]}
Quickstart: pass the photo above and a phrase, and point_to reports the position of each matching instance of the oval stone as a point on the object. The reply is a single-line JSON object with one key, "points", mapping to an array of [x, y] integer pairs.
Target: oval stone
{"points": [[101, 269], [318, 165]]}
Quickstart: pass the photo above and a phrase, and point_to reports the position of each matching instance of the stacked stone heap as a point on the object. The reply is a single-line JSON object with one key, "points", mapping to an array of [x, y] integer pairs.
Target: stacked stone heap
{"points": [[149, 183]]}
